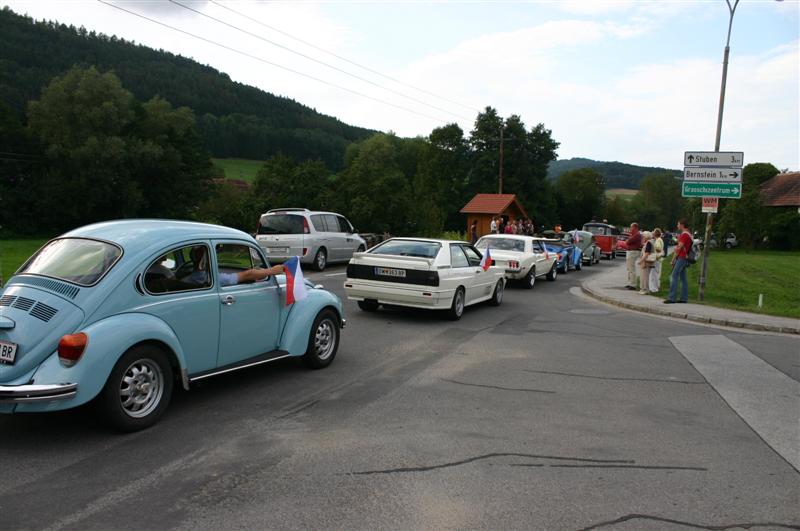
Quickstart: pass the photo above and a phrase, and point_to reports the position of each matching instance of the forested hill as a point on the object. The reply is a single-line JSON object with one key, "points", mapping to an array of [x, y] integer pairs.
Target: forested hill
{"points": [[235, 120], [617, 174]]}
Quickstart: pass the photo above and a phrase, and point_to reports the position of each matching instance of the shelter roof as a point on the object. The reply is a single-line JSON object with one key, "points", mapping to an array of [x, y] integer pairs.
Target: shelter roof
{"points": [[492, 204], [782, 190]]}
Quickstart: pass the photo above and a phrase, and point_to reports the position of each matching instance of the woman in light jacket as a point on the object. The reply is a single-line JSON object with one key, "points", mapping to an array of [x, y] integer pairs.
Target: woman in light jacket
{"points": [[645, 262], [655, 272]]}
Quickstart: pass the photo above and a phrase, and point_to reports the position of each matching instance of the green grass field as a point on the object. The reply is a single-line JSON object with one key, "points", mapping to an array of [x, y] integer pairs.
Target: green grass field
{"points": [[624, 192], [245, 169], [14, 252], [735, 279]]}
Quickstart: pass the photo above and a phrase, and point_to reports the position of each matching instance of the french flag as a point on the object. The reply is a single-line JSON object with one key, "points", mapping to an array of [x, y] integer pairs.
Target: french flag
{"points": [[486, 261], [295, 284]]}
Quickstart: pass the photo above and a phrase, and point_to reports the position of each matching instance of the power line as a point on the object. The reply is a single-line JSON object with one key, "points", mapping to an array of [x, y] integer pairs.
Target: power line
{"points": [[265, 61], [305, 56], [346, 60]]}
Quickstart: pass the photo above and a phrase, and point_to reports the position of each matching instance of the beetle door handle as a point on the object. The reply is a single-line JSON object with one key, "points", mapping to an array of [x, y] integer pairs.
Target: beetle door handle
{"points": [[227, 300]]}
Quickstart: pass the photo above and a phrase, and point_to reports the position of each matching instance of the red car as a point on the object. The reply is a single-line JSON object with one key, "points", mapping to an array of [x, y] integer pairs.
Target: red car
{"points": [[607, 237]]}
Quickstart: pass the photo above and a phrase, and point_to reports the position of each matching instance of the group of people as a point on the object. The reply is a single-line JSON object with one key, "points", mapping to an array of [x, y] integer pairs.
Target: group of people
{"points": [[501, 225], [646, 251]]}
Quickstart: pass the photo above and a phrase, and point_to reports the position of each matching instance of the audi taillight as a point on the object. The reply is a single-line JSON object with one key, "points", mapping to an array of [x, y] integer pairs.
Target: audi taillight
{"points": [[71, 347]]}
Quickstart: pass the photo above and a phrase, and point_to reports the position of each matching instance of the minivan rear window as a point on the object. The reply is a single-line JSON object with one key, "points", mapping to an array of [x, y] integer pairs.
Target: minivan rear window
{"points": [[280, 224]]}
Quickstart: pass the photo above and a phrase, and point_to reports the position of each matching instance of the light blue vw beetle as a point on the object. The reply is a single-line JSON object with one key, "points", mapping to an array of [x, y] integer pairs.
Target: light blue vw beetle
{"points": [[119, 312]]}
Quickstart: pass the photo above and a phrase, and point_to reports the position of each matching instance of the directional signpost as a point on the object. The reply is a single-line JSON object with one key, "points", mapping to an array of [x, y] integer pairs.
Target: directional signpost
{"points": [[713, 174]]}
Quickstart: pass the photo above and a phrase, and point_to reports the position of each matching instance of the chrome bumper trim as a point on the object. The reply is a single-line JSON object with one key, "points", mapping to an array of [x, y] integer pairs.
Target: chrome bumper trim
{"points": [[36, 393]]}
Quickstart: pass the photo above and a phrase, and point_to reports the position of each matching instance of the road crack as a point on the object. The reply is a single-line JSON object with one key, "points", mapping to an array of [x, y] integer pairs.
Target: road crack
{"points": [[497, 387], [488, 456], [612, 378], [746, 525]]}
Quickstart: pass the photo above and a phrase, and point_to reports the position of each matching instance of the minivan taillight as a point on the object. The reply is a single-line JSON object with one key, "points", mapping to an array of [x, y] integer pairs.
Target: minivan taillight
{"points": [[306, 230], [71, 347]]}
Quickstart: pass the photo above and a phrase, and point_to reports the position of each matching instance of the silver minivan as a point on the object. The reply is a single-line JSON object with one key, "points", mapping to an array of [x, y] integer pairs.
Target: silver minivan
{"points": [[316, 237]]}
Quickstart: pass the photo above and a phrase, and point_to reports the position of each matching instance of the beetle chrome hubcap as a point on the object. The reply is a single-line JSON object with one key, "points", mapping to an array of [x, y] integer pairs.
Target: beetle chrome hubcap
{"points": [[141, 388], [325, 339]]}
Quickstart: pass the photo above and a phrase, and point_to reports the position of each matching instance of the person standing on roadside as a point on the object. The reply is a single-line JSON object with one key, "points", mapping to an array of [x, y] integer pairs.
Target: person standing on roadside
{"points": [[655, 271], [633, 245], [493, 227], [473, 232], [646, 258], [679, 265]]}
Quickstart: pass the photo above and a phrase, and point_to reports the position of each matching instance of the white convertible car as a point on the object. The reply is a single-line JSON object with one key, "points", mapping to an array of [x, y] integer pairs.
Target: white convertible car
{"points": [[423, 273], [521, 257]]}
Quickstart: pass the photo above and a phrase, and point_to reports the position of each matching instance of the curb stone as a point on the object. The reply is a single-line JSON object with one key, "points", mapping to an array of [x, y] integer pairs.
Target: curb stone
{"points": [[690, 317]]}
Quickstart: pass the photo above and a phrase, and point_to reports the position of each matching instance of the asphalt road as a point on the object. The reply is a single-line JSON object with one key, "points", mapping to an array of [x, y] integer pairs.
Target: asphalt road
{"points": [[552, 411]]}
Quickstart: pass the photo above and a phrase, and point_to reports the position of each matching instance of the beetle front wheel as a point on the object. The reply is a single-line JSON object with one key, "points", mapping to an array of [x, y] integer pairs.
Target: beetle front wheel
{"points": [[323, 340]]}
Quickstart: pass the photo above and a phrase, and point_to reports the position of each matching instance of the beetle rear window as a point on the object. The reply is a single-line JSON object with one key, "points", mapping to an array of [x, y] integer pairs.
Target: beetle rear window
{"points": [[77, 260]]}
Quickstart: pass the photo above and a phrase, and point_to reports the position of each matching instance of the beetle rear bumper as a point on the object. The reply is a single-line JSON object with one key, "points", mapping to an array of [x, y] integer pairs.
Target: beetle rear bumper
{"points": [[36, 392]]}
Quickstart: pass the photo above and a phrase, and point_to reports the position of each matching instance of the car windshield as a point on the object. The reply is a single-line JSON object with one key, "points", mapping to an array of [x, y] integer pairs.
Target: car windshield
{"points": [[502, 244], [597, 230], [78, 260], [407, 248], [280, 224]]}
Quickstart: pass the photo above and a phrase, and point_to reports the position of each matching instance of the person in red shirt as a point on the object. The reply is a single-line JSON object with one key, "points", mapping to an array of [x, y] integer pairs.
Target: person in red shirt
{"points": [[633, 247], [679, 265]]}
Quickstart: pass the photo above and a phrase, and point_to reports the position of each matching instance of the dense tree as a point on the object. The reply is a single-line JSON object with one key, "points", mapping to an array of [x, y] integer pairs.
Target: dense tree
{"points": [[107, 156], [747, 217], [659, 202], [580, 197]]}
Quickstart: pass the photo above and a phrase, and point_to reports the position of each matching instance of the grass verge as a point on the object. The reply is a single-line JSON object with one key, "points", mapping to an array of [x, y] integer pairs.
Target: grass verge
{"points": [[736, 278], [14, 252]]}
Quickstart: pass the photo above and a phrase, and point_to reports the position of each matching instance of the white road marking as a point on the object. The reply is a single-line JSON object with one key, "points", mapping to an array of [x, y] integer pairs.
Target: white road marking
{"points": [[336, 274], [765, 398]]}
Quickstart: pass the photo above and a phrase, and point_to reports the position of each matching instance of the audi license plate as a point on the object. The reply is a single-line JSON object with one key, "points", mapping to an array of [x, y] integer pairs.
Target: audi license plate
{"points": [[8, 351], [389, 272]]}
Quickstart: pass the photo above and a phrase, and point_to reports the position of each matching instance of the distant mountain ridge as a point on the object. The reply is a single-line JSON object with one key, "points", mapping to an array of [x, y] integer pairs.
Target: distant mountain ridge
{"points": [[234, 120], [617, 174]]}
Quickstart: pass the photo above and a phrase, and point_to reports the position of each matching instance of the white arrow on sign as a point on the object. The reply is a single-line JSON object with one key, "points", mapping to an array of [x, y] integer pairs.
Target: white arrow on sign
{"points": [[705, 159], [713, 175]]}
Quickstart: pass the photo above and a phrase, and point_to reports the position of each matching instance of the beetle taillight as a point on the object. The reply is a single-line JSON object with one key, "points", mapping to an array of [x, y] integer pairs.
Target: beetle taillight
{"points": [[71, 347]]}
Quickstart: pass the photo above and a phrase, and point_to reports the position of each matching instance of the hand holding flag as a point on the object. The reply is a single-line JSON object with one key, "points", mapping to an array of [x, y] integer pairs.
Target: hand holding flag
{"points": [[486, 261], [295, 283]]}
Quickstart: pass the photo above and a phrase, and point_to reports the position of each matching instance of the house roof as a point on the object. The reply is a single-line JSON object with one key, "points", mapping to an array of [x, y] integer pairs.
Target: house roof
{"points": [[782, 190], [491, 204]]}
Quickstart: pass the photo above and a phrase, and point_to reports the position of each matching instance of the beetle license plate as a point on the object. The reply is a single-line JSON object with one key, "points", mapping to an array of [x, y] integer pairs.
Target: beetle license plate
{"points": [[8, 352], [389, 272]]}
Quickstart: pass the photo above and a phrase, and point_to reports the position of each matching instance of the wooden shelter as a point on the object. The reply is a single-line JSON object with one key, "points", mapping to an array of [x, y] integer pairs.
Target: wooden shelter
{"points": [[484, 207], [783, 190]]}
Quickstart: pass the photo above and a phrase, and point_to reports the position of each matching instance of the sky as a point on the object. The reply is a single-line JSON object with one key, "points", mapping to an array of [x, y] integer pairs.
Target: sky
{"points": [[635, 81]]}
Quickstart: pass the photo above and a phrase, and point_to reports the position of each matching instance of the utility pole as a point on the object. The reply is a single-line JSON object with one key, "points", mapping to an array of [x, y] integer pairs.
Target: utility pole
{"points": [[501, 158], [701, 291]]}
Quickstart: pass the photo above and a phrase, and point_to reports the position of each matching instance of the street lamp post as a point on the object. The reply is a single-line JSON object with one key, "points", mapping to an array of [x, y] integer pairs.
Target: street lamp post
{"points": [[710, 217]]}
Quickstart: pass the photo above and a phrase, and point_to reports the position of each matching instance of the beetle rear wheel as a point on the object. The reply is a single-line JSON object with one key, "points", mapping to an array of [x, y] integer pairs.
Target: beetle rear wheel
{"points": [[138, 390]]}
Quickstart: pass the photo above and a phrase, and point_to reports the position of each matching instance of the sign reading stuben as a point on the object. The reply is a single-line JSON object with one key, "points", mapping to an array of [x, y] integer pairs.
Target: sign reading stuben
{"points": [[703, 159]]}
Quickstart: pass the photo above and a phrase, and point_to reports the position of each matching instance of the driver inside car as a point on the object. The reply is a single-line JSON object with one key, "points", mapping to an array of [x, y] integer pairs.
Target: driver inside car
{"points": [[200, 276]]}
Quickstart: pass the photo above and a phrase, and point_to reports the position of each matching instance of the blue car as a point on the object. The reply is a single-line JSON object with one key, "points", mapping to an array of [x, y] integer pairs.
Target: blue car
{"points": [[120, 312], [570, 257]]}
